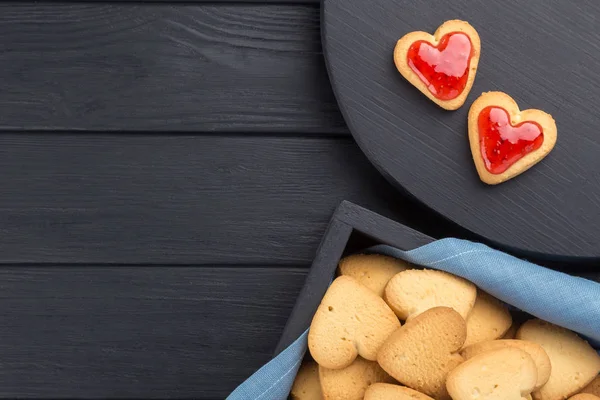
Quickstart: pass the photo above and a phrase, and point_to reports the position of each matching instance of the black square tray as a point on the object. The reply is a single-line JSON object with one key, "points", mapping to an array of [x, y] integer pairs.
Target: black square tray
{"points": [[351, 229]]}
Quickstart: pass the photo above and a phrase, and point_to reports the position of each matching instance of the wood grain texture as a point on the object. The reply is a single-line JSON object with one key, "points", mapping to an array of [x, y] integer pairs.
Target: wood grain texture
{"points": [[543, 53], [127, 332], [181, 199], [322, 271], [183, 67]]}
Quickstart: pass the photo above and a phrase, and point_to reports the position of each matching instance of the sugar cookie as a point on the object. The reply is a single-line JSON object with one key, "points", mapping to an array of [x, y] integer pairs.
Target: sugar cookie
{"points": [[422, 352], [535, 351], [413, 291], [385, 391], [505, 374], [306, 385], [512, 331], [372, 270], [443, 65], [505, 141], [488, 320], [584, 396], [574, 362], [593, 387], [351, 382], [350, 321]]}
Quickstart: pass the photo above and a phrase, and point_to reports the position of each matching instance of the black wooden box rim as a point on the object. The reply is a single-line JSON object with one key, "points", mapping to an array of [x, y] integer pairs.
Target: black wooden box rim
{"points": [[353, 228], [348, 218]]}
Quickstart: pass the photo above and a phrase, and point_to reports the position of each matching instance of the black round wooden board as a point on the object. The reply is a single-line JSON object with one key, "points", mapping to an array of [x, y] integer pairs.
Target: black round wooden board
{"points": [[544, 53]]}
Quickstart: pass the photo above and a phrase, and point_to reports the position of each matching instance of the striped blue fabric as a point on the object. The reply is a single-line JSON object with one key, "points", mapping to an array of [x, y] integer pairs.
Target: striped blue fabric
{"points": [[556, 297]]}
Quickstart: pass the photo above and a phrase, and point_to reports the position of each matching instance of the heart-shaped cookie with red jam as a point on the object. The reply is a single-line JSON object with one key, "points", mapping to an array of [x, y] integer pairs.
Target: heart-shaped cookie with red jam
{"points": [[505, 141], [443, 65]]}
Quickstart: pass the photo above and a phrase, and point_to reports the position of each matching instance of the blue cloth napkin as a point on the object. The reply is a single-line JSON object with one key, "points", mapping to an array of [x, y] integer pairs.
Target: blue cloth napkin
{"points": [[556, 297]]}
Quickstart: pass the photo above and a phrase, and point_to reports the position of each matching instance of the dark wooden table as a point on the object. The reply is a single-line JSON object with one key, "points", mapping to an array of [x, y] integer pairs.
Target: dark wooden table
{"points": [[167, 172]]}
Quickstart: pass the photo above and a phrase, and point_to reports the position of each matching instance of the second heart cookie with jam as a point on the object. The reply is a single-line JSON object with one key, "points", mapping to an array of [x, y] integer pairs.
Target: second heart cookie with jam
{"points": [[505, 141], [443, 65]]}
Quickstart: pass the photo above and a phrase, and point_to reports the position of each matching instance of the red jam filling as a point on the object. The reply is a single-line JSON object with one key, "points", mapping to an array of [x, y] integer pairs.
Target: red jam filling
{"points": [[443, 68], [502, 144]]}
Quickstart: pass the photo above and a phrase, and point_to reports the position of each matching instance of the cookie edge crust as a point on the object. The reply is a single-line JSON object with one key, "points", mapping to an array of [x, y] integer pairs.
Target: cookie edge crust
{"points": [[517, 116]]}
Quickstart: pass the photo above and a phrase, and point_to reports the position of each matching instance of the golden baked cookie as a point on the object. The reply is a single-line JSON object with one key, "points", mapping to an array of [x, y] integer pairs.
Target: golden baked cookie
{"points": [[306, 385], [414, 291], [535, 351], [350, 321], [372, 270], [488, 320], [422, 352], [505, 374], [386, 391], [505, 141], [351, 382], [512, 331], [584, 396], [574, 362], [593, 387], [443, 65]]}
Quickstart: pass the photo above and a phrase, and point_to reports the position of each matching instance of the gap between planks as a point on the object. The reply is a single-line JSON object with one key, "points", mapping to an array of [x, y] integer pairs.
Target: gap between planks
{"points": [[139, 332], [161, 199]]}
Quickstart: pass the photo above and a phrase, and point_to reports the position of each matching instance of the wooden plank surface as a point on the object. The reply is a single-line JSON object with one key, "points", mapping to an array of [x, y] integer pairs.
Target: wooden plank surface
{"points": [[146, 332], [168, 171], [181, 199], [141, 67]]}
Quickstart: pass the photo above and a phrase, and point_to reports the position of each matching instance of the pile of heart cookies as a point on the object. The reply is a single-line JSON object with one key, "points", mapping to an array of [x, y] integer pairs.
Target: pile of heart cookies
{"points": [[389, 330], [504, 141]]}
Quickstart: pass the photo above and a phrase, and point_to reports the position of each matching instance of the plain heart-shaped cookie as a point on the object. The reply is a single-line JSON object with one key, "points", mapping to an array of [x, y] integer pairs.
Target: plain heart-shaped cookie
{"points": [[488, 320], [512, 331], [505, 141], [593, 387], [443, 65], [350, 321], [505, 374], [422, 352], [350, 383], [372, 270], [535, 351], [584, 396], [574, 362], [386, 391], [414, 291], [307, 385]]}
